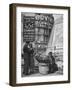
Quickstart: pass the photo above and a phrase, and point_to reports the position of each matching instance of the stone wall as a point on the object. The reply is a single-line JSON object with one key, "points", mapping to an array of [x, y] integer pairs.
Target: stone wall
{"points": [[56, 38]]}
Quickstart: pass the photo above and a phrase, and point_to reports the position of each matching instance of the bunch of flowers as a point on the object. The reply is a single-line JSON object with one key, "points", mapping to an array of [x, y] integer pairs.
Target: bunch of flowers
{"points": [[42, 58]]}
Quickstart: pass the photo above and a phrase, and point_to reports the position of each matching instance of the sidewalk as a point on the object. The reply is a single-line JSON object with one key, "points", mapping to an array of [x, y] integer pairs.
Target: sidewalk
{"points": [[38, 74]]}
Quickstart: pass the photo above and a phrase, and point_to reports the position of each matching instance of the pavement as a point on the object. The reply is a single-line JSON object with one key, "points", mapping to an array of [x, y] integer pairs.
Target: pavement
{"points": [[39, 74]]}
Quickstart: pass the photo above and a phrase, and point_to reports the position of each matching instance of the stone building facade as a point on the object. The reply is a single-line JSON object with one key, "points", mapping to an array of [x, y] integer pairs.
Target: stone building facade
{"points": [[55, 43]]}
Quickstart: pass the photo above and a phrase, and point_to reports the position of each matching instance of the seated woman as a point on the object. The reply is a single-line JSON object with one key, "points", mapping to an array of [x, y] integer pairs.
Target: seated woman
{"points": [[52, 65]]}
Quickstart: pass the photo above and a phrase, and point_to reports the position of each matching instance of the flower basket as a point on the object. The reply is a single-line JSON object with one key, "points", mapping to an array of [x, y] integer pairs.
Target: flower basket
{"points": [[43, 64], [43, 68], [42, 59]]}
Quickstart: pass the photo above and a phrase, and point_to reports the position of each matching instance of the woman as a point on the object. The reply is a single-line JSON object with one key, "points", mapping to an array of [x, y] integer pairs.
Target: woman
{"points": [[31, 59], [52, 65], [26, 51]]}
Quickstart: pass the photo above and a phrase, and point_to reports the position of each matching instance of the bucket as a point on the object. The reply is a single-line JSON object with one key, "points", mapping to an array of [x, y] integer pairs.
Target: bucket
{"points": [[43, 68]]}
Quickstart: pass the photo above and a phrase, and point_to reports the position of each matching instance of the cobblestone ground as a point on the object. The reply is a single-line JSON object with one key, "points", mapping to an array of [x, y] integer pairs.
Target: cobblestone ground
{"points": [[36, 73]]}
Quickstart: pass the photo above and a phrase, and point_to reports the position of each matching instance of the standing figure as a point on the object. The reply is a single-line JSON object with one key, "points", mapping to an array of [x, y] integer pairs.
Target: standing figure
{"points": [[26, 51], [31, 59]]}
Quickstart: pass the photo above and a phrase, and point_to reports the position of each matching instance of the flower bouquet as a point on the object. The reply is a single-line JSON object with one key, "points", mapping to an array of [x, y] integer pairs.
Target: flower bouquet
{"points": [[42, 58]]}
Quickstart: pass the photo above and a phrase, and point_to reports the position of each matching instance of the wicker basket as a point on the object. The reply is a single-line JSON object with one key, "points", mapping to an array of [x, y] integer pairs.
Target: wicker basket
{"points": [[43, 68]]}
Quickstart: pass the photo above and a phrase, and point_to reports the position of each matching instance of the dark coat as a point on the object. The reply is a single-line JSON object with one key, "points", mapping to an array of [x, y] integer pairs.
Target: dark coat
{"points": [[26, 51], [31, 61], [52, 66], [28, 59]]}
